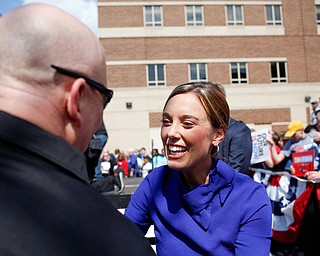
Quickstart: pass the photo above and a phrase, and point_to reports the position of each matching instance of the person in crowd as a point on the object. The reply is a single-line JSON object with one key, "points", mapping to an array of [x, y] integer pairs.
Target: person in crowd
{"points": [[146, 167], [108, 162], [109, 168], [268, 164], [236, 147], [94, 151], [300, 141], [314, 132], [275, 137], [282, 140], [102, 135], [116, 153], [158, 159], [314, 129], [309, 235], [314, 108], [307, 241], [112, 175], [133, 166], [142, 152], [49, 109], [123, 163], [199, 205]]}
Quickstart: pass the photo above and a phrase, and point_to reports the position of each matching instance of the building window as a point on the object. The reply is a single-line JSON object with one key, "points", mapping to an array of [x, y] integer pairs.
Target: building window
{"points": [[234, 15], [153, 16], [239, 73], [156, 75], [318, 14], [198, 72], [194, 15], [278, 72], [273, 15]]}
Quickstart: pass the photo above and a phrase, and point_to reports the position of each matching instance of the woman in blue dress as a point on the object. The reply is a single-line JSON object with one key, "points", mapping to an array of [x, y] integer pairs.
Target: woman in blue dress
{"points": [[197, 203]]}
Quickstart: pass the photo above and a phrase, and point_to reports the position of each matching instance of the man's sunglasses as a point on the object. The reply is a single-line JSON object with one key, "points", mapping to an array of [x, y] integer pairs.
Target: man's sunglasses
{"points": [[106, 93]]}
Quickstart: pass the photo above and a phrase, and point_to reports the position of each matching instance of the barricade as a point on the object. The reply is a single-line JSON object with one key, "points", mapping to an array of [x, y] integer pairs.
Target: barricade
{"points": [[289, 196]]}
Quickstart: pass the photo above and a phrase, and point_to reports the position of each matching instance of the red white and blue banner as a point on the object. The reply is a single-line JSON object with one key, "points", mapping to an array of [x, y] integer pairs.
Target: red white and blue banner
{"points": [[289, 197]]}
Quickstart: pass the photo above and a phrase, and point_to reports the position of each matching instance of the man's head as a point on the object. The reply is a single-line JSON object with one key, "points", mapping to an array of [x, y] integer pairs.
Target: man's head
{"points": [[314, 104], [295, 130], [68, 104], [317, 114]]}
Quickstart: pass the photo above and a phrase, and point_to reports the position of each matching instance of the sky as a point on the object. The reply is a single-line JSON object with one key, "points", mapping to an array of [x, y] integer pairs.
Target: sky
{"points": [[85, 10]]}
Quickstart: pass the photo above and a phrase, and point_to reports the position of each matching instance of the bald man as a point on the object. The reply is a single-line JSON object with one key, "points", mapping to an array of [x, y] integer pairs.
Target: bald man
{"points": [[52, 71]]}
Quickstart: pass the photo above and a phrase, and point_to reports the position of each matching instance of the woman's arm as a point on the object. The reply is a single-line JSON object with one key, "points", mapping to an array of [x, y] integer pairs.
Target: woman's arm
{"points": [[138, 208], [255, 234]]}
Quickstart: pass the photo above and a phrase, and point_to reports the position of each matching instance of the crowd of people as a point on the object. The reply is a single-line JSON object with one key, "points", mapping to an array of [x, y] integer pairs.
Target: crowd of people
{"points": [[133, 162], [110, 169], [296, 152]]}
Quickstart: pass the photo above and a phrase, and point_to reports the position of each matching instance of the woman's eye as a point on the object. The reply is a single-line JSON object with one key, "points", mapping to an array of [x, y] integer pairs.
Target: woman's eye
{"points": [[188, 124], [165, 121]]}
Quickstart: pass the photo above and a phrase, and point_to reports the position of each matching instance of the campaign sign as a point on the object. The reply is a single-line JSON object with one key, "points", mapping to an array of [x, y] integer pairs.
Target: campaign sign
{"points": [[303, 162], [260, 146]]}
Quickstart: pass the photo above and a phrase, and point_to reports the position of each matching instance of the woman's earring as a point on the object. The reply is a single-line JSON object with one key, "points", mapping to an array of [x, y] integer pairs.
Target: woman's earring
{"points": [[215, 152]]}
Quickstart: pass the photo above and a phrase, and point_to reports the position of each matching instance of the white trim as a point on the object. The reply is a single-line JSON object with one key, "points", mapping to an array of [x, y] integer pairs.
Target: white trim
{"points": [[238, 80], [137, 3], [316, 6], [181, 31], [198, 73], [274, 21], [153, 22], [156, 75], [194, 16], [234, 21], [278, 79], [189, 61]]}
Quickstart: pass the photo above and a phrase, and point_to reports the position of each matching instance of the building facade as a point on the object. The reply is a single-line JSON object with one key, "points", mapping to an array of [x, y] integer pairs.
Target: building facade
{"points": [[265, 53]]}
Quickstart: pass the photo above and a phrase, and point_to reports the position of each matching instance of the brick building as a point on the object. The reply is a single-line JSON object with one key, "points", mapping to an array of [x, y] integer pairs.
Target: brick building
{"points": [[265, 53]]}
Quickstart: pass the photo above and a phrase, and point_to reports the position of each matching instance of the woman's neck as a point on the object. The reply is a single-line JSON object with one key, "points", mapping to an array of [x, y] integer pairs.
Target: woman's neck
{"points": [[195, 178]]}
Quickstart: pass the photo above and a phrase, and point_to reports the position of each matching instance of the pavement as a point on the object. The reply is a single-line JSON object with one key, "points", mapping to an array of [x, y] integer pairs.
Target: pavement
{"points": [[121, 200], [131, 185]]}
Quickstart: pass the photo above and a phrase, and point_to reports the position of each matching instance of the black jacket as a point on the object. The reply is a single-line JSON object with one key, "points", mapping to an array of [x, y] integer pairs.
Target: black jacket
{"points": [[47, 206], [236, 147]]}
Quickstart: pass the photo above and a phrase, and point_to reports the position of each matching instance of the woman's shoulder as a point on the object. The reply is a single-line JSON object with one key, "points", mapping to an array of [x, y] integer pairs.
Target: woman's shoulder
{"points": [[236, 178], [155, 179], [158, 172], [161, 175]]}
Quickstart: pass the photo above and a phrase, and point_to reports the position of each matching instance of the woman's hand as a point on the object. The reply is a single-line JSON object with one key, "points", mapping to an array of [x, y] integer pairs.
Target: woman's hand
{"points": [[292, 169], [316, 137], [312, 175]]}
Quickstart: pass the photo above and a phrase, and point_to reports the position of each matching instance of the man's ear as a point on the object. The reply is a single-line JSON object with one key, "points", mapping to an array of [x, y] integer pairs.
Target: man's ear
{"points": [[73, 101], [218, 137]]}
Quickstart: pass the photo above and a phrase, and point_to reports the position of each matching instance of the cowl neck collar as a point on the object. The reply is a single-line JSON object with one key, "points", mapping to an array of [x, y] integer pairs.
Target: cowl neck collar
{"points": [[199, 199]]}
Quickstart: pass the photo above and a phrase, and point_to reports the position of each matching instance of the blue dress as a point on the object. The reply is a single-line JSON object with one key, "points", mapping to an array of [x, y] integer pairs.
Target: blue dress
{"points": [[231, 215]]}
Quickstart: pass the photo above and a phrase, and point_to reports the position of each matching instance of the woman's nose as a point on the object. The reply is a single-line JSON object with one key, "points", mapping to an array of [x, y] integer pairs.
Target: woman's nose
{"points": [[173, 131]]}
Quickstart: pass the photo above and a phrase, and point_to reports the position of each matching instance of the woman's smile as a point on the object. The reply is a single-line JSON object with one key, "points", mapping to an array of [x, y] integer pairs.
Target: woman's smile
{"points": [[187, 134]]}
